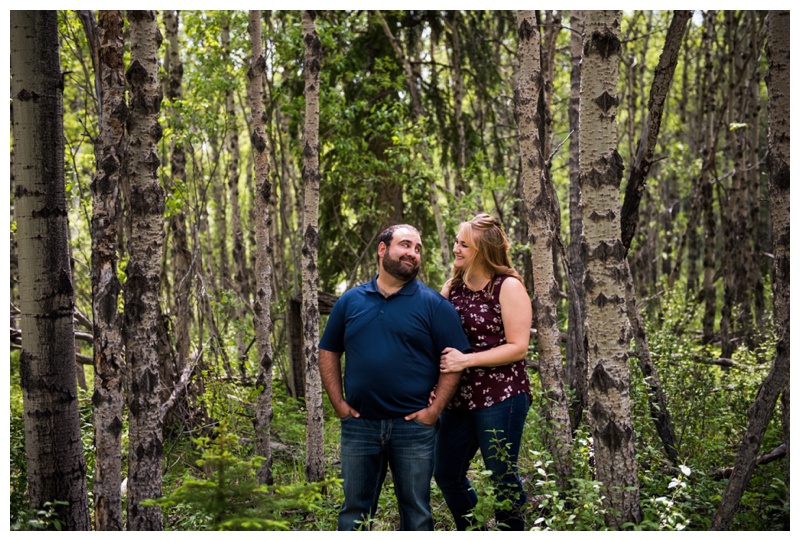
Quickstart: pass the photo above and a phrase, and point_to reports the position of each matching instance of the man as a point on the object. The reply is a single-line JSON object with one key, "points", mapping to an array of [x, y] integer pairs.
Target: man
{"points": [[392, 330]]}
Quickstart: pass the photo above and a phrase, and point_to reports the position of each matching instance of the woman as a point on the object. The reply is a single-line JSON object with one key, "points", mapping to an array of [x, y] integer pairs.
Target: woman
{"points": [[489, 408]]}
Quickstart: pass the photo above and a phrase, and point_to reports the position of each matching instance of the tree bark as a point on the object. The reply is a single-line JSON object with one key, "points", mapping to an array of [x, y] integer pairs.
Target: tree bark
{"points": [[575, 367], [108, 399], [452, 21], [738, 279], [239, 260], [263, 219], [181, 255], [146, 225], [315, 459], [777, 380], [56, 467], [551, 28], [542, 237], [709, 122], [607, 326]]}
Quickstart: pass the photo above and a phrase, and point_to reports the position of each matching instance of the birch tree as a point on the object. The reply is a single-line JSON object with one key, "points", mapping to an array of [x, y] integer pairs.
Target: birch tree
{"points": [[263, 294], [315, 459], [181, 255], [108, 399], [145, 199], [539, 205], [607, 328], [575, 367], [56, 466]]}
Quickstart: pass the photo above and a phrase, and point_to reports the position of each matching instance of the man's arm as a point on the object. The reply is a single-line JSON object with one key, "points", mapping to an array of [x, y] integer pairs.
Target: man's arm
{"points": [[445, 389], [330, 370]]}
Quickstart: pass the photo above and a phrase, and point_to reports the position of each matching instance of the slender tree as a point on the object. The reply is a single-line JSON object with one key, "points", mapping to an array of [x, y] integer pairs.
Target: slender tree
{"points": [[239, 259], [263, 294], [550, 22], [575, 367], [108, 399], [777, 380], [315, 459], [56, 467], [173, 366], [542, 237], [453, 22], [709, 129], [607, 326], [145, 199], [739, 260]]}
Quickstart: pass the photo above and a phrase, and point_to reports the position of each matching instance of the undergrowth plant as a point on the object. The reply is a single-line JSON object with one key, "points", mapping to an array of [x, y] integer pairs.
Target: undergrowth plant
{"points": [[228, 496]]}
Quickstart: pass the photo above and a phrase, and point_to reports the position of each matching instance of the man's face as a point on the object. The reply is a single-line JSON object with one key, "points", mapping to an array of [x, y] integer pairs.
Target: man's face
{"points": [[401, 258]]}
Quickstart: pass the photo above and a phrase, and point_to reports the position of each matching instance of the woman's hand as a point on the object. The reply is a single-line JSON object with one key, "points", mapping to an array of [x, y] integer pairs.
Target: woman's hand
{"points": [[453, 360]]}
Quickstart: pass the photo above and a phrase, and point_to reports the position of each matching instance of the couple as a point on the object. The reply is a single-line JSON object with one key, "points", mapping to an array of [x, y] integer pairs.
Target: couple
{"points": [[407, 361]]}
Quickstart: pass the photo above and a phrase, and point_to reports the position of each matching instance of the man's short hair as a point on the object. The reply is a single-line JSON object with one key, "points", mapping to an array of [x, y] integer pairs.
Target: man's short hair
{"points": [[388, 233]]}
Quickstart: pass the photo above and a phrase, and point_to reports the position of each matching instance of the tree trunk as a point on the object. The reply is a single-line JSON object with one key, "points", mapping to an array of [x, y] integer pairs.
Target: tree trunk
{"points": [[141, 322], [263, 294], [452, 21], [239, 260], [108, 399], [56, 467], [777, 380], [607, 326], [575, 366], [315, 459], [541, 237], [551, 28], [735, 321], [181, 255], [709, 122], [444, 244]]}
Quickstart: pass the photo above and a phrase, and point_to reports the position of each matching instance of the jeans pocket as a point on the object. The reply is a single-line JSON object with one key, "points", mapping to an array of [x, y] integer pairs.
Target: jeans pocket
{"points": [[420, 423]]}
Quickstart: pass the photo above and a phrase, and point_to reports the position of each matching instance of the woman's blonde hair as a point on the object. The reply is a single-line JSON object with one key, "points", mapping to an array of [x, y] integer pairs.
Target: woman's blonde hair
{"points": [[492, 251]]}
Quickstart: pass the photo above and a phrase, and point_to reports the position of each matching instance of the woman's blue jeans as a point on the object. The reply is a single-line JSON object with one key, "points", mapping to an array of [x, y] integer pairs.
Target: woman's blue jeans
{"points": [[369, 446], [460, 436]]}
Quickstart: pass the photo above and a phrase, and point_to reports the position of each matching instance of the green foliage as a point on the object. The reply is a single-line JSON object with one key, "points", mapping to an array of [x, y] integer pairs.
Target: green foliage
{"points": [[228, 497], [18, 472], [490, 499], [579, 507], [42, 519], [665, 512]]}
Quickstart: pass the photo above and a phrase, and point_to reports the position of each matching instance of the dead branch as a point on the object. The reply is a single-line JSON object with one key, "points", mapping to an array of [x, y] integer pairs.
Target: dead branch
{"points": [[771, 456]]}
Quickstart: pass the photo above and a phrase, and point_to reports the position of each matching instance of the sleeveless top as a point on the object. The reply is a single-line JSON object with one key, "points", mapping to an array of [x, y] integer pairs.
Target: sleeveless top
{"points": [[482, 323]]}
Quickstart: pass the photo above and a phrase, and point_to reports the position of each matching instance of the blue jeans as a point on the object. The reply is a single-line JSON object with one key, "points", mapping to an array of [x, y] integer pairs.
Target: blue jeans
{"points": [[460, 436], [369, 446]]}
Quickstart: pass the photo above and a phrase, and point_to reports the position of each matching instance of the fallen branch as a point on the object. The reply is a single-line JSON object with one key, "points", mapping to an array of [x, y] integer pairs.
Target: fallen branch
{"points": [[776, 454], [183, 382]]}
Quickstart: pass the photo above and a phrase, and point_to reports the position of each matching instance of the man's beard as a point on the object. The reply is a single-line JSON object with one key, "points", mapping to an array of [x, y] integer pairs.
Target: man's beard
{"points": [[396, 268]]}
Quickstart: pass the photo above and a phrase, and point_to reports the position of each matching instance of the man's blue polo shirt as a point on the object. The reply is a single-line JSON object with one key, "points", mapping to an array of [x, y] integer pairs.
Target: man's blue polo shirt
{"points": [[391, 346]]}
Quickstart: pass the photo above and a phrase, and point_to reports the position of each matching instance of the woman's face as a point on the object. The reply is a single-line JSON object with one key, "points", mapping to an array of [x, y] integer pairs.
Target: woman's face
{"points": [[463, 251]]}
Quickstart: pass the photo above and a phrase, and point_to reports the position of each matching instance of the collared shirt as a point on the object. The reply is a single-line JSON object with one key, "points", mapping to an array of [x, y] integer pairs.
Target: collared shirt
{"points": [[391, 346]]}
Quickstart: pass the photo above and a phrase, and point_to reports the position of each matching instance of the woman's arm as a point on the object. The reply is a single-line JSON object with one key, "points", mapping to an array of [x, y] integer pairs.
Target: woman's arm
{"points": [[515, 309]]}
